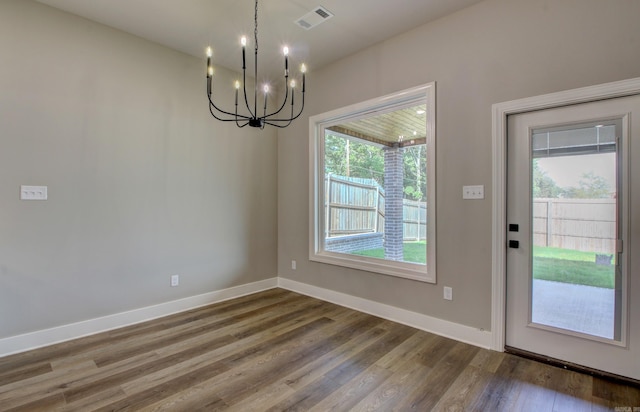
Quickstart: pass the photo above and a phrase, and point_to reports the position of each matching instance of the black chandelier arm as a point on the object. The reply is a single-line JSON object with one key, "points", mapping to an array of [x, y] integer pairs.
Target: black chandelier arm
{"points": [[281, 126], [237, 120], [218, 118], [229, 120], [222, 119], [237, 117], [244, 90], [284, 102], [234, 115], [212, 104], [292, 118], [234, 119]]}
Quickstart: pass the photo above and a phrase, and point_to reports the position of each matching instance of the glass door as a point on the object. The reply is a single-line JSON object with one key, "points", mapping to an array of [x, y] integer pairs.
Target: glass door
{"points": [[569, 235]]}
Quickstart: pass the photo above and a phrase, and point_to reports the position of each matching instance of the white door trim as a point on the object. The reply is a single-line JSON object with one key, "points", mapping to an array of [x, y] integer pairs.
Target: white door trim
{"points": [[500, 111]]}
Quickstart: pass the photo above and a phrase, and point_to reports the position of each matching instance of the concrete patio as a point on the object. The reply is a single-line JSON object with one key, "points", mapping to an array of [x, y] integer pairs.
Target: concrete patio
{"points": [[585, 309]]}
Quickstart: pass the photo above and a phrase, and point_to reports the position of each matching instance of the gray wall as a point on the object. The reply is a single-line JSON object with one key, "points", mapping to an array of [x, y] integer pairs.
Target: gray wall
{"points": [[143, 183], [495, 51]]}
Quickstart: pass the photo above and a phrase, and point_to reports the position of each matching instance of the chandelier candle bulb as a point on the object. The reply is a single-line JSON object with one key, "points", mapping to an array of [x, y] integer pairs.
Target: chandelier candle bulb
{"points": [[266, 91], [243, 41], [285, 50], [303, 69], [209, 54]]}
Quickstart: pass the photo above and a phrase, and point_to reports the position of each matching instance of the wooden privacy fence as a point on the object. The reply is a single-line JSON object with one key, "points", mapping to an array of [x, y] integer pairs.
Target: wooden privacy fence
{"points": [[587, 225], [415, 220], [356, 205]]}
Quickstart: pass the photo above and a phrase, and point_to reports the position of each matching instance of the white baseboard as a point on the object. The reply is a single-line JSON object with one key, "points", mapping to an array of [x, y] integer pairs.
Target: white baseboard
{"points": [[46, 337], [462, 333]]}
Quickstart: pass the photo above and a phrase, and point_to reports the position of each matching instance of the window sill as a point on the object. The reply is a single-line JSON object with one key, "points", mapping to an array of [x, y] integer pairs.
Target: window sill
{"points": [[413, 271]]}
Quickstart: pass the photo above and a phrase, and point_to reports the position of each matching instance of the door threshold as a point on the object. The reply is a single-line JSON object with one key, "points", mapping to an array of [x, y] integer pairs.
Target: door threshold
{"points": [[573, 367]]}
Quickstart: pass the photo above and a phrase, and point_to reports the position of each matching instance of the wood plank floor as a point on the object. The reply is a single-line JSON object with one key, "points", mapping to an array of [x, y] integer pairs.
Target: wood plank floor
{"points": [[278, 350]]}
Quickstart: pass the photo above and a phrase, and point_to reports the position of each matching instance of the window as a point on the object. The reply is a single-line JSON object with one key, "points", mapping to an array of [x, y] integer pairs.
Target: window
{"points": [[372, 200]]}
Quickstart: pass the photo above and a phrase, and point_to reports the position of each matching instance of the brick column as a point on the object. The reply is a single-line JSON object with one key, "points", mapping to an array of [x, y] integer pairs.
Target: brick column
{"points": [[393, 212]]}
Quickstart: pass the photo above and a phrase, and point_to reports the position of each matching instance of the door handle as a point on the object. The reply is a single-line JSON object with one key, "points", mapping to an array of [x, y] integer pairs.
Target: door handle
{"points": [[514, 244]]}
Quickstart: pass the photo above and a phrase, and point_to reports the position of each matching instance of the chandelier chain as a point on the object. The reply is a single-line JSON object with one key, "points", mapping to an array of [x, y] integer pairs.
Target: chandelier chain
{"points": [[255, 30]]}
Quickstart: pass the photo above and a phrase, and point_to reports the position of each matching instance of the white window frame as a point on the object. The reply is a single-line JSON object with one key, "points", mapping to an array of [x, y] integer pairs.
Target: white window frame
{"points": [[425, 94]]}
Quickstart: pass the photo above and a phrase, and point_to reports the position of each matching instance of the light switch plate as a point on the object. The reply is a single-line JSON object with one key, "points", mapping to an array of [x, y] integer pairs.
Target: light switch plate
{"points": [[33, 192], [473, 192]]}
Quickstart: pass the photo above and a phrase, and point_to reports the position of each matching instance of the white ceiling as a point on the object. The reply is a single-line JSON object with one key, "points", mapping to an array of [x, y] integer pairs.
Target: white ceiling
{"points": [[191, 25]]}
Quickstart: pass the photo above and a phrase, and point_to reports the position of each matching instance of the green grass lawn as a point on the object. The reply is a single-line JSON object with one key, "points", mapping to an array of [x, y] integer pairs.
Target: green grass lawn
{"points": [[570, 266], [559, 265], [415, 252]]}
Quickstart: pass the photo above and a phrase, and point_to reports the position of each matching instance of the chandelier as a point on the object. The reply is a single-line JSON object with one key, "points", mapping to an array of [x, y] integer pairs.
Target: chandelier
{"points": [[278, 118]]}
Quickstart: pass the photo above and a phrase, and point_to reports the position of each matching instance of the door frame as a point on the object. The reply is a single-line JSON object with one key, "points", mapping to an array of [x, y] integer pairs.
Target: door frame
{"points": [[500, 111]]}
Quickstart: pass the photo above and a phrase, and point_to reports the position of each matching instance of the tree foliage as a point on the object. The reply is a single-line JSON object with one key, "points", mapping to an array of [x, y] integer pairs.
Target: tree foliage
{"points": [[345, 157], [543, 185], [357, 158], [590, 186], [415, 176]]}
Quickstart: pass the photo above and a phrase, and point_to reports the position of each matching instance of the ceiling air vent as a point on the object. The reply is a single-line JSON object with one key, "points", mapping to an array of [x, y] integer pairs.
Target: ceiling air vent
{"points": [[314, 17]]}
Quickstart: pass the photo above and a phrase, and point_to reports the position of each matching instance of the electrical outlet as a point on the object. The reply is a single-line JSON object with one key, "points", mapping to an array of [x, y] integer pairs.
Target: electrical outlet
{"points": [[473, 192], [175, 280], [293, 264], [448, 293]]}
